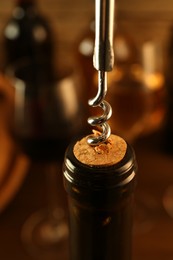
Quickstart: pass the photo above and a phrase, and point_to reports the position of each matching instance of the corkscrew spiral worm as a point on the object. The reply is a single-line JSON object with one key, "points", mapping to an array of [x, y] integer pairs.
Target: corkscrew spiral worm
{"points": [[101, 121], [103, 61]]}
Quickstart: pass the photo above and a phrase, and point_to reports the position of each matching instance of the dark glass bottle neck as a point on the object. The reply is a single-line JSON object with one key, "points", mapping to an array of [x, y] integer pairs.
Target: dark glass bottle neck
{"points": [[25, 8], [25, 3]]}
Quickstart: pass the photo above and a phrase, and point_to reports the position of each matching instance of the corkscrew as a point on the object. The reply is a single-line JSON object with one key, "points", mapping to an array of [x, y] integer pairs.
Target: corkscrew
{"points": [[103, 61]]}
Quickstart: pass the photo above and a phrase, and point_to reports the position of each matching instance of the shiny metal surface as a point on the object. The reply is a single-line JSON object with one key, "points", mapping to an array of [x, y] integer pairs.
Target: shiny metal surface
{"points": [[103, 61]]}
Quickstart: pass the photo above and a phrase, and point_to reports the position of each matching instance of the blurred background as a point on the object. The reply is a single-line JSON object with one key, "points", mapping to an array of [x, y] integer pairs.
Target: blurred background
{"points": [[34, 130], [143, 20]]}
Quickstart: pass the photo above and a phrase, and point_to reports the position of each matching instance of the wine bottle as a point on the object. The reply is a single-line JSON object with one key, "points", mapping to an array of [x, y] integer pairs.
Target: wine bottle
{"points": [[42, 122], [100, 199], [27, 35]]}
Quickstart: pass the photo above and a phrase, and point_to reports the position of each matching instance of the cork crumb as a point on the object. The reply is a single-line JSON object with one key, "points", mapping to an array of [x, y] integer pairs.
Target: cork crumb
{"points": [[104, 147], [101, 149], [108, 153]]}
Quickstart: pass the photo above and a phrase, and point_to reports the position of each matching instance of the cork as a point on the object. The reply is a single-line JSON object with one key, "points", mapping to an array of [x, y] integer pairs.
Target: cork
{"points": [[105, 154]]}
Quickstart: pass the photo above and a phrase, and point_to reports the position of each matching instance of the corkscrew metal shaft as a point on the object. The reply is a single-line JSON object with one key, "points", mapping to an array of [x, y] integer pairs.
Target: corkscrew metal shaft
{"points": [[103, 61]]}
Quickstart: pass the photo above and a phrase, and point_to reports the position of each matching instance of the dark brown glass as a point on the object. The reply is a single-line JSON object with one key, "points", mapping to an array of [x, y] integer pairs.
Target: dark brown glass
{"points": [[40, 124], [100, 207], [28, 35], [168, 124]]}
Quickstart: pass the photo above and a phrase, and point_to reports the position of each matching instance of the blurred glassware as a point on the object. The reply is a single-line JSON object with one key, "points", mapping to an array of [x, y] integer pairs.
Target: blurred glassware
{"points": [[153, 80], [46, 117], [138, 94], [168, 126], [14, 165], [167, 142], [46, 230], [128, 98], [45, 111]]}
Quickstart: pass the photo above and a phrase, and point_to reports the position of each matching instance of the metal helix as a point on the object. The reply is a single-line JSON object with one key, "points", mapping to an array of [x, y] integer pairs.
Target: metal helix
{"points": [[103, 61], [102, 120]]}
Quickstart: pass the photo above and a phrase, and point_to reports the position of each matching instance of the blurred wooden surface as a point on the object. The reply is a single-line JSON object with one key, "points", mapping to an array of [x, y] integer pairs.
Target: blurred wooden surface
{"points": [[153, 229]]}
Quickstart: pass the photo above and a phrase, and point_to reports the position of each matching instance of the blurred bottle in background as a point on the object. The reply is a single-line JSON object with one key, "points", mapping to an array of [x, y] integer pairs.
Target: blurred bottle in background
{"points": [[29, 47], [46, 117], [27, 35], [29, 56], [168, 127]]}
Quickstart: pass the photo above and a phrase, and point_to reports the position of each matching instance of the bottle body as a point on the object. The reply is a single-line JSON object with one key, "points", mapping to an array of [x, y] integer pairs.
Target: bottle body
{"points": [[100, 208], [103, 233]]}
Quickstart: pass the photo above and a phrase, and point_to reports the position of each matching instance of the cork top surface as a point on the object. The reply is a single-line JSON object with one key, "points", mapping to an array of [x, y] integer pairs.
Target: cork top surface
{"points": [[105, 154]]}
